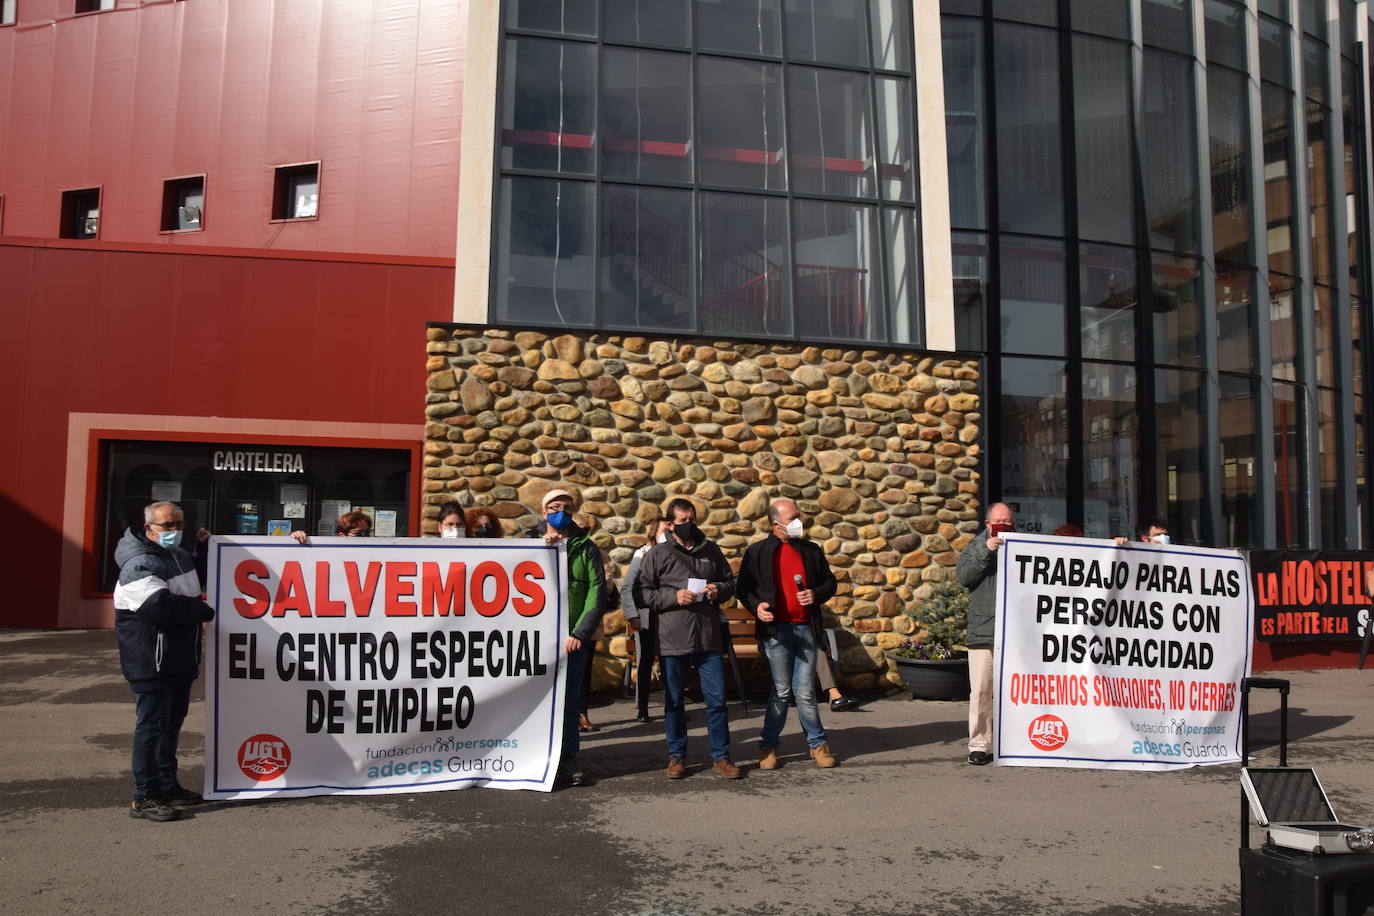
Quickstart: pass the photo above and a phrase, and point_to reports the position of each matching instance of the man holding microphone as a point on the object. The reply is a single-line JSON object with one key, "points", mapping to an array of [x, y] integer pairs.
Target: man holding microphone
{"points": [[783, 581]]}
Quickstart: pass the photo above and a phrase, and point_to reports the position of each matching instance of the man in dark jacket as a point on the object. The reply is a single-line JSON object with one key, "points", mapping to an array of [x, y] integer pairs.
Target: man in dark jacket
{"points": [[977, 572], [783, 581], [158, 613], [586, 606], [683, 582]]}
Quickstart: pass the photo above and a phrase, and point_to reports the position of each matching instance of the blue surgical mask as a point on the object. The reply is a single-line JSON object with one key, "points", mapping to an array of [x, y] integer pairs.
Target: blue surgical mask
{"points": [[168, 539], [559, 521]]}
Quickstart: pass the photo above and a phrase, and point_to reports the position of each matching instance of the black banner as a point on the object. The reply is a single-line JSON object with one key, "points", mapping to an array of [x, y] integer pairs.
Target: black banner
{"points": [[1311, 594]]}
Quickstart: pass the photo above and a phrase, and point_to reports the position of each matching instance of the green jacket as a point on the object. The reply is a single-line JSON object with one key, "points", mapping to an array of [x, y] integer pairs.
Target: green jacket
{"points": [[977, 572], [586, 584]]}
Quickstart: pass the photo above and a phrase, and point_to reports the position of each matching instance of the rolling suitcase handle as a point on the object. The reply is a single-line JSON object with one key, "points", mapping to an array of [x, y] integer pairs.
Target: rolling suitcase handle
{"points": [[1246, 685]]}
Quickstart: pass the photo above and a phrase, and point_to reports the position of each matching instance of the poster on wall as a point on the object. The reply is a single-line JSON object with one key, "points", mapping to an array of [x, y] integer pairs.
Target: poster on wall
{"points": [[383, 666], [1119, 657], [1312, 595]]}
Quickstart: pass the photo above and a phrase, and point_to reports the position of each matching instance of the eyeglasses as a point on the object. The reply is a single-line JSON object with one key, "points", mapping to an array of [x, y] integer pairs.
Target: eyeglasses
{"points": [[358, 533], [170, 526]]}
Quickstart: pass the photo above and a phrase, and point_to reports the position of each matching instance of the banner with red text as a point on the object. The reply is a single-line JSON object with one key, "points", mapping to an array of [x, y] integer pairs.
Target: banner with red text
{"points": [[1119, 657], [1311, 594], [377, 665]]}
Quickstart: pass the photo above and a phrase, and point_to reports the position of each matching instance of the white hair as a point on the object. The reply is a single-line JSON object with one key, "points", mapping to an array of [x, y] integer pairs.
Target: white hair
{"points": [[151, 509]]}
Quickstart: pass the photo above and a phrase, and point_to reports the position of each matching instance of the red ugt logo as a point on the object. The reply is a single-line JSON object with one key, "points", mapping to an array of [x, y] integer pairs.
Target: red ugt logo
{"points": [[264, 757]]}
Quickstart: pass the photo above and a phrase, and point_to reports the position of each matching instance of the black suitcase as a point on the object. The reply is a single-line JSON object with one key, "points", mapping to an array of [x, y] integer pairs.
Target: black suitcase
{"points": [[1285, 882]]}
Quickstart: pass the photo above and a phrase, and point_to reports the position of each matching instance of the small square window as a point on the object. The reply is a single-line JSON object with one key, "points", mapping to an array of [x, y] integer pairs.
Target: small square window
{"points": [[94, 6], [80, 214], [7, 11], [296, 191], [183, 204]]}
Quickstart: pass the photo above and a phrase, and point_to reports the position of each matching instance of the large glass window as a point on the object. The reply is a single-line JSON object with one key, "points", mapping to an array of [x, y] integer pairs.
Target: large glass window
{"points": [[1328, 457], [829, 114], [548, 109], [1168, 24], [745, 26], [1228, 129], [646, 257], [1177, 314], [1111, 425], [644, 96], [743, 258], [965, 112], [1180, 488], [1290, 465], [970, 260], [1283, 326], [1170, 143], [1107, 284], [1240, 523], [826, 31], [1103, 155], [1035, 441], [545, 261], [1235, 318], [837, 278], [1030, 180], [1278, 171], [1033, 290], [740, 106]]}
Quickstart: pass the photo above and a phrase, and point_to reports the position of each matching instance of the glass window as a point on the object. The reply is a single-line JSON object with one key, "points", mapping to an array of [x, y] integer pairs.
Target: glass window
{"points": [[238, 488], [744, 26], [1035, 440], [1032, 273], [1240, 525], [646, 257], [183, 204], [567, 17], [1319, 192], [1180, 487], [903, 276], [1102, 17], [1363, 508], [645, 129], [967, 7], [1273, 52], [1329, 456], [970, 261], [1177, 318], [1168, 24], [7, 12], [549, 105], [1170, 141], [1289, 465], [1354, 169], [1276, 8], [1039, 12], [890, 28], [837, 280], [648, 22], [1235, 318], [1228, 133], [1103, 152], [965, 110], [1310, 12], [826, 31], [545, 269], [1225, 33], [1314, 55], [1111, 440], [831, 151], [896, 169], [1278, 170], [1283, 326], [1108, 286], [1324, 327], [740, 113], [1030, 177], [743, 265]]}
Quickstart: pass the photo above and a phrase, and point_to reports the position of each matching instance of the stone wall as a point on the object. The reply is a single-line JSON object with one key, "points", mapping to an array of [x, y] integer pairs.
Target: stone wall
{"points": [[879, 448]]}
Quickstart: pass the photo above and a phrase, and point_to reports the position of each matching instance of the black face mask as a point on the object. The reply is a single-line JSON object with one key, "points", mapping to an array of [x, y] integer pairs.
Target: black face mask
{"points": [[482, 531], [687, 532]]}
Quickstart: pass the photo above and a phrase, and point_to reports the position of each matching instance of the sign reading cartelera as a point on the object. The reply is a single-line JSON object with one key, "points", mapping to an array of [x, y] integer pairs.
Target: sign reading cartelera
{"points": [[383, 665], [1119, 657]]}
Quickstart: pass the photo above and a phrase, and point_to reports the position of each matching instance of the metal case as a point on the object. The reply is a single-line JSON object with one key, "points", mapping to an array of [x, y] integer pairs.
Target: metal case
{"points": [[1290, 801]]}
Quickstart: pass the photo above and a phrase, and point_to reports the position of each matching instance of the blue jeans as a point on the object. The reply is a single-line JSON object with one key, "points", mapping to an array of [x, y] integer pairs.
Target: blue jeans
{"points": [[572, 693], [791, 652], [711, 673], [160, 714]]}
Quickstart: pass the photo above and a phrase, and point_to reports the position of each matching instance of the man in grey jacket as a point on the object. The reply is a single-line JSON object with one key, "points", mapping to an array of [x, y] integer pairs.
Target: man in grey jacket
{"points": [[682, 583], [977, 572]]}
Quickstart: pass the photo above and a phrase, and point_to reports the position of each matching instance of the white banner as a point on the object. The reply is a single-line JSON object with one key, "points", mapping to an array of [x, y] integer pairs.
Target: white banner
{"points": [[383, 665], [1124, 658]]}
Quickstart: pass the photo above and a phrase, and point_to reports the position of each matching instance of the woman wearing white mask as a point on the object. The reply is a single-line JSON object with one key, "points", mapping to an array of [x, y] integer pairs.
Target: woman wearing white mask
{"points": [[452, 522], [639, 620]]}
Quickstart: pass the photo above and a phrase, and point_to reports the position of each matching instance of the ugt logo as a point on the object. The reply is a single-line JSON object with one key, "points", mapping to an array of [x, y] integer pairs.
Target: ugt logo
{"points": [[264, 757], [1048, 733]]}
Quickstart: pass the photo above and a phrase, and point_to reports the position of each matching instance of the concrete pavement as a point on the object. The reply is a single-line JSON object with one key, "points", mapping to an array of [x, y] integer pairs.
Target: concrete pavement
{"points": [[902, 826]]}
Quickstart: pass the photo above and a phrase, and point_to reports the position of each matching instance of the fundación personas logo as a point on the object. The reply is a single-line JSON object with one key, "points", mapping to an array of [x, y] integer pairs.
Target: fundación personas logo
{"points": [[264, 757], [1048, 733]]}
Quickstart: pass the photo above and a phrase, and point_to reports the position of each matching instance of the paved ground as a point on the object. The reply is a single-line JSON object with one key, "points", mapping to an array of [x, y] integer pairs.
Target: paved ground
{"points": [[902, 826]]}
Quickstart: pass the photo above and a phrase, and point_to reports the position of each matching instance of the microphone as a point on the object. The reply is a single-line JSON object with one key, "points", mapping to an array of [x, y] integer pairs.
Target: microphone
{"points": [[798, 580]]}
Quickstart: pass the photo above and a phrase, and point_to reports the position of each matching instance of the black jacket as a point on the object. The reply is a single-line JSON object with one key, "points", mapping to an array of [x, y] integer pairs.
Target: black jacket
{"points": [[666, 568], [158, 613], [756, 577]]}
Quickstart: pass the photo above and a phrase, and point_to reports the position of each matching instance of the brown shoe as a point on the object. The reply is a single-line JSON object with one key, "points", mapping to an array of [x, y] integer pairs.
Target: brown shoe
{"points": [[584, 724], [824, 759], [676, 768], [726, 769], [768, 758]]}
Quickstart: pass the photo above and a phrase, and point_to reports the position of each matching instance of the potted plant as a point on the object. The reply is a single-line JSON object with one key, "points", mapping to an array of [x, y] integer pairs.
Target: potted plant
{"points": [[934, 664]]}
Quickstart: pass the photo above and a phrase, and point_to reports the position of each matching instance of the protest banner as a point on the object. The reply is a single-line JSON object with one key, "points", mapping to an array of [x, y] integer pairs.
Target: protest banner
{"points": [[1119, 657], [383, 665], [1311, 594]]}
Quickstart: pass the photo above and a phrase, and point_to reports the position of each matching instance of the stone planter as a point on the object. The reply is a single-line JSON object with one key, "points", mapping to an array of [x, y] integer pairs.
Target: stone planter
{"points": [[930, 679]]}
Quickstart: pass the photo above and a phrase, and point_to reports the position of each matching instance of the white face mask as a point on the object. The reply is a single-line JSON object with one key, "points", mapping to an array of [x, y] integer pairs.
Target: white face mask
{"points": [[1161, 539], [450, 532], [795, 528], [662, 537]]}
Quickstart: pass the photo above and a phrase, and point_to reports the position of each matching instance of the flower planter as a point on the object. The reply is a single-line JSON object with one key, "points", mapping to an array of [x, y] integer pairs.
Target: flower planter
{"points": [[931, 679]]}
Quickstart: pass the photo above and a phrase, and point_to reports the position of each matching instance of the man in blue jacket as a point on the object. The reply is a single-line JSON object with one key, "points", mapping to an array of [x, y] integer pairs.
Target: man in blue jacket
{"points": [[158, 613]]}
